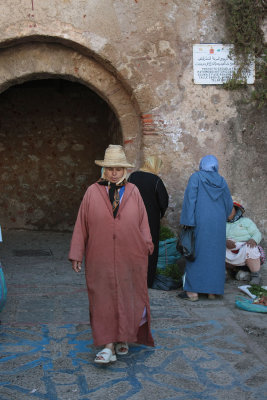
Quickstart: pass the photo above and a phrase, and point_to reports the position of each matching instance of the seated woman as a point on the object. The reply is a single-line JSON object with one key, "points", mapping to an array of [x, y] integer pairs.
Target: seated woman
{"points": [[242, 239]]}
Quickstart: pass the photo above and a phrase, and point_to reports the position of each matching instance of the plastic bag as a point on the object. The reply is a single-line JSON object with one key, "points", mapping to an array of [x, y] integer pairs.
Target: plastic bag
{"points": [[3, 289], [168, 253], [162, 282], [186, 243], [248, 305]]}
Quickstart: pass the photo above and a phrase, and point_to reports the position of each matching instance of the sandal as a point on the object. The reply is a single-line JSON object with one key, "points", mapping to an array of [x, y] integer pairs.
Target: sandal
{"points": [[211, 296], [185, 296], [122, 348], [105, 356]]}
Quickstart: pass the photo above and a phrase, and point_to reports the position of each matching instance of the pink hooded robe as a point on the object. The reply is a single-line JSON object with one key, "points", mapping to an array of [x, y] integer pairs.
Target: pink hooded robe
{"points": [[116, 251]]}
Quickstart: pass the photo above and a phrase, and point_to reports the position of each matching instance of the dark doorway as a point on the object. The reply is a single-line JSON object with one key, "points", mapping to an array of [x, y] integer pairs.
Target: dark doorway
{"points": [[51, 131]]}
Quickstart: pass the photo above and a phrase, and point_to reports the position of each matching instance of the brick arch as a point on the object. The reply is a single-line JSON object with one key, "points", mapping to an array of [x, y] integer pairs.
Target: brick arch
{"points": [[38, 60]]}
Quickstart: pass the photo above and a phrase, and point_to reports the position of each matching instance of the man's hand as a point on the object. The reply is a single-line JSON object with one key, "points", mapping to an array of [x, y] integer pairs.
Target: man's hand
{"points": [[251, 243], [76, 265], [230, 244]]}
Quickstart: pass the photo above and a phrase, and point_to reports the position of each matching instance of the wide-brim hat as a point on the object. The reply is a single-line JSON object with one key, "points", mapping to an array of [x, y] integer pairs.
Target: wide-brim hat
{"points": [[114, 157]]}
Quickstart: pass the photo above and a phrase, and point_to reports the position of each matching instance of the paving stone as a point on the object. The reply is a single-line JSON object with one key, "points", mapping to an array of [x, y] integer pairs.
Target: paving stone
{"points": [[206, 350]]}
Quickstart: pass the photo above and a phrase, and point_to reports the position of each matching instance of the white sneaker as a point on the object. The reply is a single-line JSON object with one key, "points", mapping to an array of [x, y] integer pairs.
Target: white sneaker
{"points": [[242, 276]]}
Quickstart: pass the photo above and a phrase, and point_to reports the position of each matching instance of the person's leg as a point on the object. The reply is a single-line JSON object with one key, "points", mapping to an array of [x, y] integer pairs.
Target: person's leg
{"points": [[229, 266], [188, 296], [211, 296], [230, 270], [254, 267], [192, 294], [111, 347]]}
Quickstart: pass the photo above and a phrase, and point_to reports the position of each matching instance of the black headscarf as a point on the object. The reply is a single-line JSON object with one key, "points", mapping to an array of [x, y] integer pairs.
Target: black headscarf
{"points": [[239, 212], [113, 193]]}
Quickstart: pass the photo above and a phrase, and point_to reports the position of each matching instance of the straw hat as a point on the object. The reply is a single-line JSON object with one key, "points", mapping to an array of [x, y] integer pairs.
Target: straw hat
{"points": [[114, 157]]}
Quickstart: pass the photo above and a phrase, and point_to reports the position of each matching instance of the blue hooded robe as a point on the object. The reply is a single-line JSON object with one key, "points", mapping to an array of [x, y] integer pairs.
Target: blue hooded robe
{"points": [[206, 206]]}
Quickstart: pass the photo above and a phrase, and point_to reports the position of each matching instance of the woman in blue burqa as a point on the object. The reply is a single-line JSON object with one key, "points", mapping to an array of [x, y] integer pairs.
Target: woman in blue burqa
{"points": [[206, 207]]}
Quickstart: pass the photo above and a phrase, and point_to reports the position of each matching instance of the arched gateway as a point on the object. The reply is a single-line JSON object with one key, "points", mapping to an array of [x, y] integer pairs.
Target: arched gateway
{"points": [[59, 109]]}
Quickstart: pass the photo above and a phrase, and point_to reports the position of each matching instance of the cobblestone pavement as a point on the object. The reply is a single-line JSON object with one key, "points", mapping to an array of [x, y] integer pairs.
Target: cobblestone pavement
{"points": [[204, 350]]}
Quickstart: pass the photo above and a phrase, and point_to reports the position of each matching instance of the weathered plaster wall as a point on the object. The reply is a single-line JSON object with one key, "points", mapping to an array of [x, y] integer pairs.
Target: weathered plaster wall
{"points": [[147, 47]]}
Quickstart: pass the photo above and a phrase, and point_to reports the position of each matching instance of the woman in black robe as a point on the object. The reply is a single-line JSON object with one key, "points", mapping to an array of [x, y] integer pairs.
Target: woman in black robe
{"points": [[156, 201]]}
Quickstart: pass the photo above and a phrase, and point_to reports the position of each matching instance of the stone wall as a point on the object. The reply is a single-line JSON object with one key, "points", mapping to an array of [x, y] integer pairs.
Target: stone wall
{"points": [[137, 56], [51, 132]]}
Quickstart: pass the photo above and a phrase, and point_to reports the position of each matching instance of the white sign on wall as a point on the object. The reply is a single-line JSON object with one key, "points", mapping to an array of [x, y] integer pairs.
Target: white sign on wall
{"points": [[213, 65]]}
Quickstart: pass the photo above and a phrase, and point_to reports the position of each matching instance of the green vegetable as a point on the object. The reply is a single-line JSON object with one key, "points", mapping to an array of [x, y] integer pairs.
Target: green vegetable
{"points": [[171, 270], [165, 233], [258, 290]]}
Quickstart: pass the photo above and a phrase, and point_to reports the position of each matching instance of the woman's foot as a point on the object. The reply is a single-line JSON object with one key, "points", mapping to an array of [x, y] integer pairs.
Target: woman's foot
{"points": [[211, 296], [188, 296], [121, 348], [105, 356]]}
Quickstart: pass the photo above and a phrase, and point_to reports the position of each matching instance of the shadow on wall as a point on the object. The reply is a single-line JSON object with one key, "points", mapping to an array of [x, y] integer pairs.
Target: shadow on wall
{"points": [[51, 132]]}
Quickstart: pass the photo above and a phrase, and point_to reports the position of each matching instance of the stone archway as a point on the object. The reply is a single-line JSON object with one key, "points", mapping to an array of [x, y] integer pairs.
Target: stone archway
{"points": [[54, 204], [39, 60]]}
